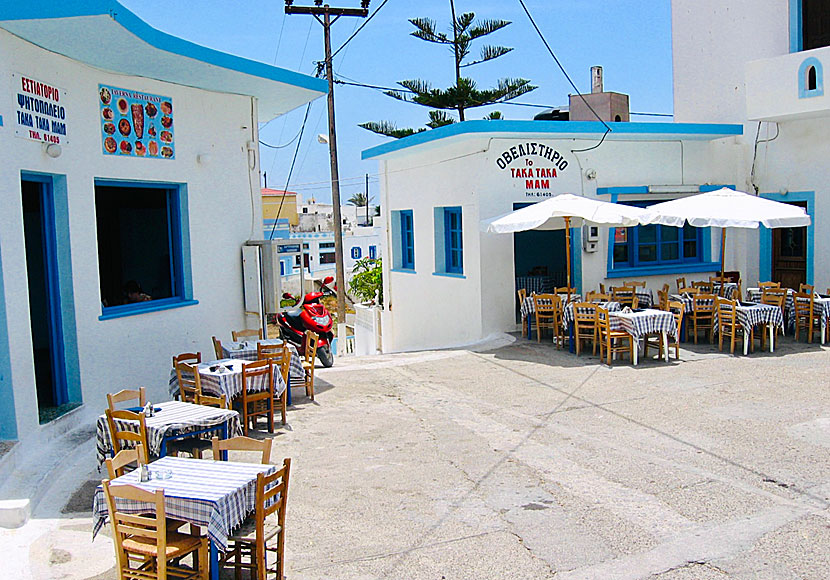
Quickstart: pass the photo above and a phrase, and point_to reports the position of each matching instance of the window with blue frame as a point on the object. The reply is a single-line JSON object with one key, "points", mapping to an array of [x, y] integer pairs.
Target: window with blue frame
{"points": [[141, 259], [407, 241], [453, 242]]}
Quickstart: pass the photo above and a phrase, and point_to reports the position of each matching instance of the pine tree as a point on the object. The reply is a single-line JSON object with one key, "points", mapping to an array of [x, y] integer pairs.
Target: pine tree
{"points": [[464, 94]]}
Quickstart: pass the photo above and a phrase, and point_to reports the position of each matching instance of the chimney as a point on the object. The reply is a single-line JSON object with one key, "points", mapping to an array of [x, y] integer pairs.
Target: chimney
{"points": [[596, 79]]}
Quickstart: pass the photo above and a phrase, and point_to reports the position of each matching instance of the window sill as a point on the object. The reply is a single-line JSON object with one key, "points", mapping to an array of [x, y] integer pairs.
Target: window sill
{"points": [[144, 307], [402, 271], [449, 275], [681, 268]]}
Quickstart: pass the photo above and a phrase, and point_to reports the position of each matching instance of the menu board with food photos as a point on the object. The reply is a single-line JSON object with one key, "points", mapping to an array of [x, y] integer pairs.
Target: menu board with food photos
{"points": [[136, 124]]}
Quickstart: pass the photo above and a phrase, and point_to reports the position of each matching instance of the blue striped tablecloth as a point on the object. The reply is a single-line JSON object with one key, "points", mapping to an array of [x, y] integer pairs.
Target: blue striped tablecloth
{"points": [[528, 307], [215, 494], [246, 350], [224, 377], [568, 312], [175, 417]]}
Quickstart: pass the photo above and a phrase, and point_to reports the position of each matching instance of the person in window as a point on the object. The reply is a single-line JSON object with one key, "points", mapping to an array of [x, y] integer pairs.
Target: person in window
{"points": [[134, 293]]}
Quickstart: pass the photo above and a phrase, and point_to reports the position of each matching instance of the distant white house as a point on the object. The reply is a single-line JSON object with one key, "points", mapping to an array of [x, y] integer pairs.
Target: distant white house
{"points": [[129, 185], [319, 251]]}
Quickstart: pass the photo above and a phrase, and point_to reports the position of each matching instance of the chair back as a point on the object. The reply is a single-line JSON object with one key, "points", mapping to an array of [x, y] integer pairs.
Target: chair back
{"points": [[138, 395], [602, 288], [727, 312], [285, 364], [681, 283], [247, 333], [254, 370], [116, 464], [663, 299], [666, 289], [763, 285], [603, 322], [597, 297], [625, 295], [217, 348], [774, 296], [676, 308], [568, 292], [691, 290], [211, 401], [134, 437], [806, 289], [804, 304], [522, 292], [311, 340], [703, 304], [269, 351], [242, 444], [703, 286], [585, 316], [546, 304], [150, 529], [635, 284], [272, 497], [188, 357], [190, 382]]}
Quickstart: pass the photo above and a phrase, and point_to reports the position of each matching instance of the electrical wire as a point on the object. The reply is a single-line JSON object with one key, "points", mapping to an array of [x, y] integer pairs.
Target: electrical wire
{"points": [[261, 142], [290, 171], [562, 68], [356, 32]]}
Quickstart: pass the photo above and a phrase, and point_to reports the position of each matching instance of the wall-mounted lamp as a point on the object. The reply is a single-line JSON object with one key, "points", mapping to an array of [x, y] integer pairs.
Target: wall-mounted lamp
{"points": [[53, 150], [323, 138]]}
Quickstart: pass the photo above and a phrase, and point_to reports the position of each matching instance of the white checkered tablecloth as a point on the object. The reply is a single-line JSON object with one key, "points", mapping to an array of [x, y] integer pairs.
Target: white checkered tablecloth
{"points": [[174, 417], [568, 312], [755, 294], [751, 316], [215, 494], [688, 302], [728, 291], [246, 350], [537, 284], [648, 321], [528, 307], [224, 377]]}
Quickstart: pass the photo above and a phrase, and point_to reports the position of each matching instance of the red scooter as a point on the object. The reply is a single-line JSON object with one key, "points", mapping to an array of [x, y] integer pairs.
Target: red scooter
{"points": [[309, 314]]}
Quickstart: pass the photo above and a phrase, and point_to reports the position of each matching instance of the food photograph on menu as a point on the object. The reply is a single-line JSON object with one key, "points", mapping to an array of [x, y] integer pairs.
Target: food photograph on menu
{"points": [[136, 124]]}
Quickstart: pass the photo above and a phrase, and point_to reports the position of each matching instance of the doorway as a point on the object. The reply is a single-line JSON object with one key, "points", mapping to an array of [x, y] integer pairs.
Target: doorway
{"points": [[789, 254], [44, 298]]}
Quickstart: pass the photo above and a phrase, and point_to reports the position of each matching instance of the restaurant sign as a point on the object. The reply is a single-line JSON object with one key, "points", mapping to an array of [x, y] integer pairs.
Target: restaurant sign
{"points": [[533, 166], [40, 110], [136, 124]]}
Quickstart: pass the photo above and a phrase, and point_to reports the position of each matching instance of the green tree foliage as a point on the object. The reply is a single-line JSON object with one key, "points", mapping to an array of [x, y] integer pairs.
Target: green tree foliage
{"points": [[367, 280], [464, 94], [358, 200]]}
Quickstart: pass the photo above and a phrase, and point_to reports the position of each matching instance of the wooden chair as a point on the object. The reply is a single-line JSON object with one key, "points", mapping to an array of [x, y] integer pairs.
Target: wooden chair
{"points": [[635, 284], [666, 289], [211, 401], [675, 308], [269, 351], [703, 315], [602, 288], [117, 463], [597, 297], [585, 325], [806, 289], [728, 325], [188, 357], [568, 292], [190, 382], [721, 281], [311, 340], [217, 348], [130, 438], [688, 290], [763, 285], [703, 286], [257, 370], [144, 546], [681, 283], [806, 316], [608, 338], [247, 333], [773, 296], [248, 546], [625, 295], [138, 395], [548, 314], [276, 355], [663, 299], [522, 293], [242, 444]]}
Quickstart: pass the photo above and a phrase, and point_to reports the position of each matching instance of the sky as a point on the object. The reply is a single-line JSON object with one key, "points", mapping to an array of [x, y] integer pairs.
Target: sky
{"points": [[630, 39]]}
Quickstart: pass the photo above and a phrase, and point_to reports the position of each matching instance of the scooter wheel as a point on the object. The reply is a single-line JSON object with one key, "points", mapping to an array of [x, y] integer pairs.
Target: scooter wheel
{"points": [[325, 356]]}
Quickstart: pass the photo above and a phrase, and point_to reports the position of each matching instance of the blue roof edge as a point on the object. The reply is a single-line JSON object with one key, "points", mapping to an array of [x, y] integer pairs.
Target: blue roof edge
{"points": [[587, 128], [44, 9]]}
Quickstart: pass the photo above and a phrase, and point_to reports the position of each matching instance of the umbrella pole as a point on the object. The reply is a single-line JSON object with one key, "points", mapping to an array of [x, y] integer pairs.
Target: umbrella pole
{"points": [[568, 248], [722, 251]]}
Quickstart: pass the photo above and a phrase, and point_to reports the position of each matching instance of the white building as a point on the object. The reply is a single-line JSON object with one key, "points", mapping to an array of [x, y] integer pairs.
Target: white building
{"points": [[130, 158], [318, 248], [317, 217]]}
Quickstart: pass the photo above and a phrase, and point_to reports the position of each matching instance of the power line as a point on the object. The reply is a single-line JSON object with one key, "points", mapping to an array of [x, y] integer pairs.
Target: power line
{"points": [[290, 171], [562, 68], [261, 142], [356, 32]]}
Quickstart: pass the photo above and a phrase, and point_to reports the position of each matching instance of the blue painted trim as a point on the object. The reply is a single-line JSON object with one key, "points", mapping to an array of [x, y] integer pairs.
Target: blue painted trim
{"points": [[576, 259], [796, 38], [708, 188], [402, 271], [449, 275], [449, 248], [803, 91], [8, 417], [134, 25], [1, 120], [664, 269], [765, 245], [622, 190], [669, 131], [145, 307]]}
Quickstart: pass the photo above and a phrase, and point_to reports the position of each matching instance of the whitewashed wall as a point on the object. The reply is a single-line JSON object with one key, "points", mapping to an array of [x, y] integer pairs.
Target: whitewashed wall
{"points": [[224, 211]]}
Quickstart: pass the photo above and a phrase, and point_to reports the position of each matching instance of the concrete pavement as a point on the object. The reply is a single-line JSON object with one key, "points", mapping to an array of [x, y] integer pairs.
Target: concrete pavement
{"points": [[527, 462]]}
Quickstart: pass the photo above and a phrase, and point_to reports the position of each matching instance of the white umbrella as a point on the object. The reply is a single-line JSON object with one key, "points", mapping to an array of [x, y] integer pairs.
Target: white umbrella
{"points": [[563, 212], [727, 208]]}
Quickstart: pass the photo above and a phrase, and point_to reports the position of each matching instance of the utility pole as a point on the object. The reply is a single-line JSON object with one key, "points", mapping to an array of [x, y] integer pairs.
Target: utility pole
{"points": [[323, 14], [367, 199]]}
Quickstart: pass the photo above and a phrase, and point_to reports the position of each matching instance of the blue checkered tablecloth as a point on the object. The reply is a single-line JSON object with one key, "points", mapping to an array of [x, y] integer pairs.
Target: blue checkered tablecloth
{"points": [[755, 295], [246, 350], [175, 417], [224, 377], [528, 307], [568, 312], [730, 288], [688, 301], [537, 284], [216, 494], [647, 321], [751, 316]]}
